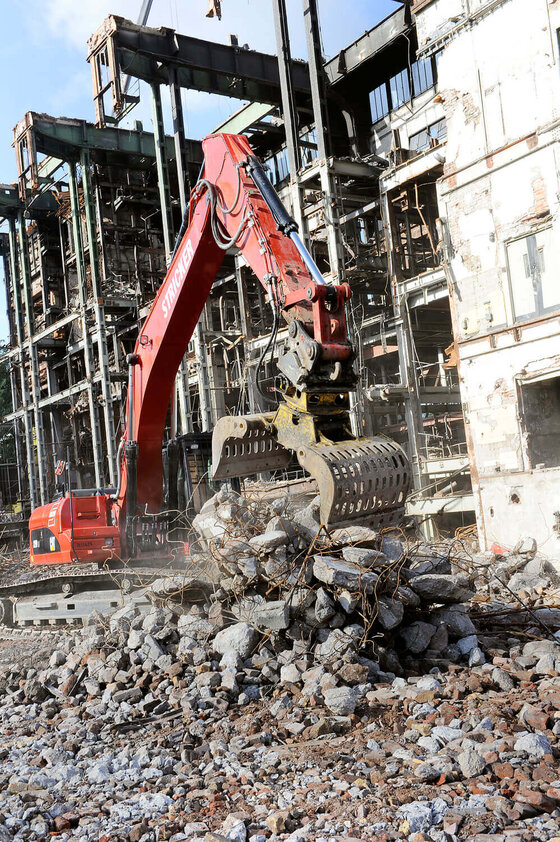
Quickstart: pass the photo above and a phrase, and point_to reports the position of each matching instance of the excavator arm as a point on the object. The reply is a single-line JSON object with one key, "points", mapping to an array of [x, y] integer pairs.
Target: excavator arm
{"points": [[234, 205]]}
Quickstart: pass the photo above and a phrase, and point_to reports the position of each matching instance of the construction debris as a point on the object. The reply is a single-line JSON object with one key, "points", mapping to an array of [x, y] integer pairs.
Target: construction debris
{"points": [[326, 688]]}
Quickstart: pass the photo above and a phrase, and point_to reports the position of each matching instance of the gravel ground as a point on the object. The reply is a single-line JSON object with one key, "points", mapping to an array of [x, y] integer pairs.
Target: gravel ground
{"points": [[137, 751]]}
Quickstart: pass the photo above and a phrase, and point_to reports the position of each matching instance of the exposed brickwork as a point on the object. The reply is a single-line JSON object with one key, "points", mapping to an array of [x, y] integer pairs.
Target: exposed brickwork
{"points": [[541, 206]]}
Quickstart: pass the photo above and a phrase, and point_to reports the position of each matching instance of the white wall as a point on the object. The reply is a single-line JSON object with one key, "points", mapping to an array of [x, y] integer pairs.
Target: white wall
{"points": [[500, 82]]}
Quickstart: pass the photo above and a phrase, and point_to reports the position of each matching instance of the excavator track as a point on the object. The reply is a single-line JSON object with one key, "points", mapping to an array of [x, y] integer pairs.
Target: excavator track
{"points": [[65, 586]]}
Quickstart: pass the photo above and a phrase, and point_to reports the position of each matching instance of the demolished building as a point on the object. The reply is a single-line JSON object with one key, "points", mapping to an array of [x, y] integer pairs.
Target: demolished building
{"points": [[420, 166]]}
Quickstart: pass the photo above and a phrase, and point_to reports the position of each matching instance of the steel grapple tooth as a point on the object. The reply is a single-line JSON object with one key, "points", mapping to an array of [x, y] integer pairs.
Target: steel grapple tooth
{"points": [[246, 445], [361, 479]]}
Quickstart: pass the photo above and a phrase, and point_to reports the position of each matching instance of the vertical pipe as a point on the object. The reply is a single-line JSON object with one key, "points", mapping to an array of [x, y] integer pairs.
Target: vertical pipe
{"points": [[82, 289], [99, 311], [162, 169]]}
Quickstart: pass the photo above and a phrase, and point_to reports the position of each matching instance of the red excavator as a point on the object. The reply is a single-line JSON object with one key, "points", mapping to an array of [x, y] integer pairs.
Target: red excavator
{"points": [[234, 205]]}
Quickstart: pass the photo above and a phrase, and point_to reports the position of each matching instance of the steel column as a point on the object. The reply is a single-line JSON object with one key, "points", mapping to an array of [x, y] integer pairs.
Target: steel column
{"points": [[289, 111], [99, 318], [179, 139], [162, 170], [17, 440], [33, 359], [88, 355], [320, 115], [413, 409], [24, 386], [204, 389], [254, 399]]}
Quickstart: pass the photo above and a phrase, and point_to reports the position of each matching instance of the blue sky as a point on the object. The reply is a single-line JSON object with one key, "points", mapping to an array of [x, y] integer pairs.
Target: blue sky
{"points": [[43, 52]]}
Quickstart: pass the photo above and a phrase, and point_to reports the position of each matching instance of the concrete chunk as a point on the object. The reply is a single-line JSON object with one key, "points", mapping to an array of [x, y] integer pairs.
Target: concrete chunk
{"points": [[333, 571]]}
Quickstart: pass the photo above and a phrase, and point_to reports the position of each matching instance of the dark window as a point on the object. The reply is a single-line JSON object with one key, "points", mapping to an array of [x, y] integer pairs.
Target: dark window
{"points": [[400, 89], [422, 75], [427, 137], [379, 102], [540, 408], [533, 266]]}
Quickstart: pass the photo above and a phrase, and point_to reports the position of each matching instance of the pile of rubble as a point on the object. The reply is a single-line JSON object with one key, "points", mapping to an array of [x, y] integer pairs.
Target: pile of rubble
{"points": [[330, 687], [328, 592]]}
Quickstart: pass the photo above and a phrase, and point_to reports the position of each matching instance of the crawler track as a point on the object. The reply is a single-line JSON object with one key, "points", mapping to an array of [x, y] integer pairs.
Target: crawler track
{"points": [[19, 583]]}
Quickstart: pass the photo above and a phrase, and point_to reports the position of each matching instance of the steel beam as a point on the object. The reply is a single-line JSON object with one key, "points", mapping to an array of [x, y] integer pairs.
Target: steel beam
{"points": [[373, 42], [147, 53], [64, 139]]}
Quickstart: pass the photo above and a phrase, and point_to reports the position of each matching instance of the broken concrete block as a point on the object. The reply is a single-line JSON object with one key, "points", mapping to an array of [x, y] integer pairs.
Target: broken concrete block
{"points": [[335, 644], [417, 636], [333, 571], [356, 536], [340, 700], [458, 622], [273, 615], [268, 541], [362, 557], [324, 606], [308, 521], [467, 644], [239, 639], [390, 612], [442, 588], [347, 600]]}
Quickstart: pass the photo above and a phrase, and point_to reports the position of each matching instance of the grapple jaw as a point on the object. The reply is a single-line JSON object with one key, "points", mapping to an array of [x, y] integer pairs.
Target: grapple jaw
{"points": [[365, 479], [246, 444]]}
